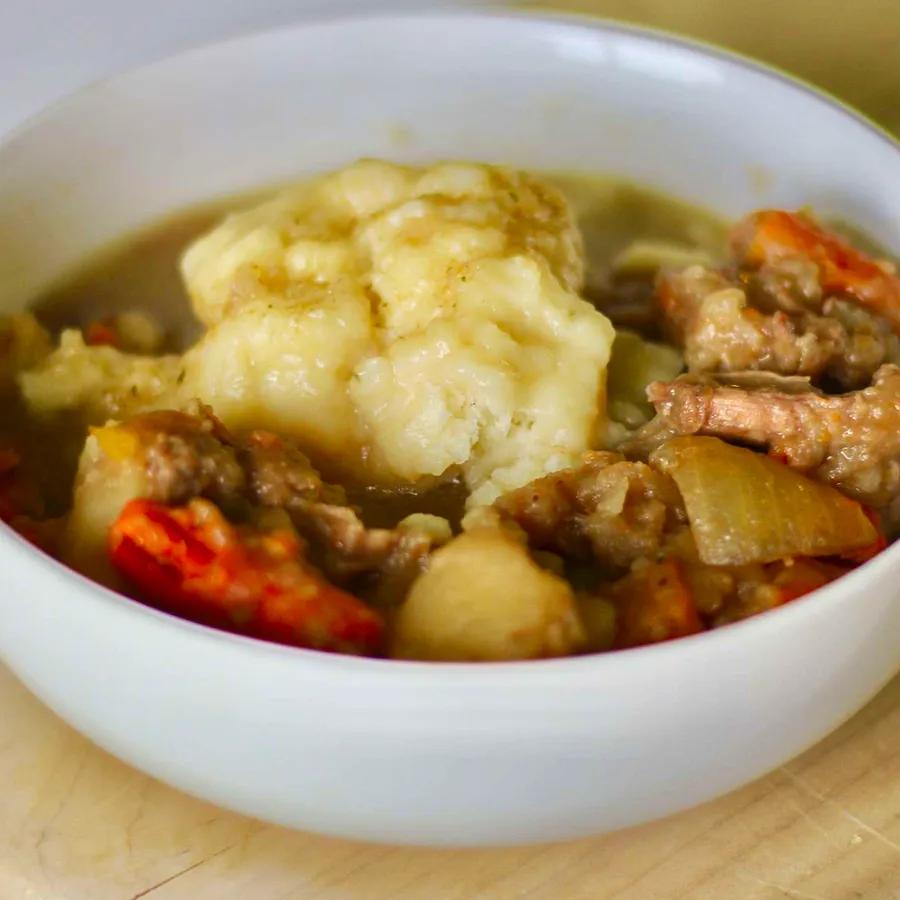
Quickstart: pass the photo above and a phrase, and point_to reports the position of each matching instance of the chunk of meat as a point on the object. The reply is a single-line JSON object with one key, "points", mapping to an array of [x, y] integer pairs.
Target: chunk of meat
{"points": [[680, 296], [849, 440], [721, 332], [773, 236], [181, 455], [866, 341], [606, 509], [641, 443], [279, 474], [190, 561], [192, 454], [797, 300], [724, 327], [346, 548], [172, 457]]}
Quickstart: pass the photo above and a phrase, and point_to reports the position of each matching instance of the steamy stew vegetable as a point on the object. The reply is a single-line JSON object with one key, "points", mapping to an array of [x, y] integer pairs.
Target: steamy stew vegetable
{"points": [[460, 413]]}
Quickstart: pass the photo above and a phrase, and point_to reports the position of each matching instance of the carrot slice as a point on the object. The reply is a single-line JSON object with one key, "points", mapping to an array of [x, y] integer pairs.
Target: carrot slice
{"points": [[191, 561], [100, 334], [654, 603], [802, 576], [770, 235]]}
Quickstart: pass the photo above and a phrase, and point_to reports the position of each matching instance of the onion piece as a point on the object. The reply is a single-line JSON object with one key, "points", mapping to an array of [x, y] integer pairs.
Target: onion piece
{"points": [[744, 507]]}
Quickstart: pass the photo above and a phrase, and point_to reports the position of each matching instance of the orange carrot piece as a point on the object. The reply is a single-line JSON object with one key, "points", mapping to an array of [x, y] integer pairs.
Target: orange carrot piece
{"points": [[191, 561], [654, 603], [802, 576], [770, 235], [101, 334]]}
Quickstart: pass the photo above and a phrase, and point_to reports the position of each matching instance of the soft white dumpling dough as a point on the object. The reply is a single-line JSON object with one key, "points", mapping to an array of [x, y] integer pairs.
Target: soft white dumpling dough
{"points": [[505, 389], [405, 323], [286, 367]]}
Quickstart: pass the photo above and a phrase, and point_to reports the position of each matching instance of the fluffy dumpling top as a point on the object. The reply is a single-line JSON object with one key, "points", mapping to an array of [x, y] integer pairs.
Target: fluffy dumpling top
{"points": [[405, 234], [406, 323]]}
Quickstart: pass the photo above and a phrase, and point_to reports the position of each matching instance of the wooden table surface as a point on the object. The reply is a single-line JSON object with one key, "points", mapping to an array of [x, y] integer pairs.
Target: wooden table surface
{"points": [[76, 824]]}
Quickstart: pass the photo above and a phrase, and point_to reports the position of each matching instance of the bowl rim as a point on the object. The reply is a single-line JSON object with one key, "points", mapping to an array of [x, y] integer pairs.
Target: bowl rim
{"points": [[462, 674], [514, 15]]}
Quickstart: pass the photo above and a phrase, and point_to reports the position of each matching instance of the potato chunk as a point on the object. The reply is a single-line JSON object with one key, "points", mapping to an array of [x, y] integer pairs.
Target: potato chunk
{"points": [[484, 598], [110, 473]]}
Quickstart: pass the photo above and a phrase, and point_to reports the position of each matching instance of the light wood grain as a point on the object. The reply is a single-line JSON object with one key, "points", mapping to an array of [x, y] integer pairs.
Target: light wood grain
{"points": [[76, 824]]}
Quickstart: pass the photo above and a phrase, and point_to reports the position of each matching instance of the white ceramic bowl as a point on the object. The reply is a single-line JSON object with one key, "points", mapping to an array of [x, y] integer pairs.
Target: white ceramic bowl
{"points": [[427, 753]]}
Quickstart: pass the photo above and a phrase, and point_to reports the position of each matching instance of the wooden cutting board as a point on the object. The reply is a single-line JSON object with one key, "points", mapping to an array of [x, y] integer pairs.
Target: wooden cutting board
{"points": [[75, 824]]}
